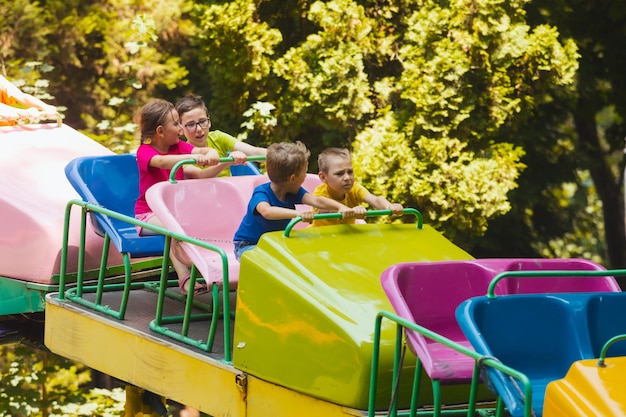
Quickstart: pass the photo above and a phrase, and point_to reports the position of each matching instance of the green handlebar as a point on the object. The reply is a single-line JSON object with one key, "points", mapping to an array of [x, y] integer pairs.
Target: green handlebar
{"points": [[606, 346], [370, 213], [190, 161], [491, 290]]}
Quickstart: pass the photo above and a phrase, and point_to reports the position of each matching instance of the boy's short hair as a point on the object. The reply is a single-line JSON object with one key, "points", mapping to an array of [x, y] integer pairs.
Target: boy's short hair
{"points": [[285, 159], [190, 102], [326, 154]]}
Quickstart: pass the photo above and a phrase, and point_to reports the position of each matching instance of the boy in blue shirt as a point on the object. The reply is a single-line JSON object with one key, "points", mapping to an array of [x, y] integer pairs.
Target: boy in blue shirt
{"points": [[273, 204]]}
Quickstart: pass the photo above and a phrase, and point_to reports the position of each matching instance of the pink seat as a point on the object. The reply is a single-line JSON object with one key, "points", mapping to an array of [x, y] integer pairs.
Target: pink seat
{"points": [[428, 294], [209, 210]]}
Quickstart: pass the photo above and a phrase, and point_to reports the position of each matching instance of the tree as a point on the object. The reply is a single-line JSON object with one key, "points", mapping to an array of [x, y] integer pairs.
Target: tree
{"points": [[598, 110], [234, 51], [109, 58], [448, 107], [426, 94], [428, 128], [36, 383]]}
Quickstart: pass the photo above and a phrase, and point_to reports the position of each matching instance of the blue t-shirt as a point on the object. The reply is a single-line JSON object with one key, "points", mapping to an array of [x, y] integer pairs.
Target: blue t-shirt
{"points": [[254, 225]]}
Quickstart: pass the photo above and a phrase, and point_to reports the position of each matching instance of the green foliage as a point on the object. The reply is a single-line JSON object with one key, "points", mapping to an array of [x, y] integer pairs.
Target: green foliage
{"points": [[583, 239], [109, 60], [235, 51], [23, 28], [327, 82], [36, 383], [259, 120], [467, 74], [459, 190]]}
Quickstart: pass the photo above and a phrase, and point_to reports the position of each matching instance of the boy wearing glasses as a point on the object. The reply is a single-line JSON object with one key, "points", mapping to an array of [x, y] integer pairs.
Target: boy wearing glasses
{"points": [[194, 117]]}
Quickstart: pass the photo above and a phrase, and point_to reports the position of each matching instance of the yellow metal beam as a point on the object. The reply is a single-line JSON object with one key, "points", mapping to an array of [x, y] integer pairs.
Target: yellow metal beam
{"points": [[178, 373]]}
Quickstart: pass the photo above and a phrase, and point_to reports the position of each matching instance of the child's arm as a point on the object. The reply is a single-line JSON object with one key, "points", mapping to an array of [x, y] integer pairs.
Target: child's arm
{"points": [[275, 213], [242, 150], [8, 112], [331, 205], [33, 102], [248, 149], [205, 156], [168, 161], [381, 203], [280, 213]]}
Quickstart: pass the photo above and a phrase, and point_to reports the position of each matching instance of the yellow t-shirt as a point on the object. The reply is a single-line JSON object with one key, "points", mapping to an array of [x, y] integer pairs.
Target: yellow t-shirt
{"points": [[223, 143], [355, 197]]}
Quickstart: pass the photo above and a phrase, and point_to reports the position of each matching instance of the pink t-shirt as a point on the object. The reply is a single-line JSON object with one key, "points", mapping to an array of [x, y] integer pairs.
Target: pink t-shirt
{"points": [[148, 176]]}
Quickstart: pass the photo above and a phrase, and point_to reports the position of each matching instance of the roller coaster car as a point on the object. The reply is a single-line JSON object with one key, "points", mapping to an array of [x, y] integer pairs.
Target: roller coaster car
{"points": [[33, 196], [428, 294], [555, 340]]}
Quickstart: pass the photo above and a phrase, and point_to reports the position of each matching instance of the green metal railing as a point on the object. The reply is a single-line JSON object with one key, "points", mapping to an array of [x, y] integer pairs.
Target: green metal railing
{"points": [[550, 273], [369, 213], [75, 294], [227, 159], [480, 362], [607, 345]]}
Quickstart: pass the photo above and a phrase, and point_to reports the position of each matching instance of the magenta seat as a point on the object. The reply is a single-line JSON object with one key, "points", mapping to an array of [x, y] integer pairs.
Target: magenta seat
{"points": [[428, 293]]}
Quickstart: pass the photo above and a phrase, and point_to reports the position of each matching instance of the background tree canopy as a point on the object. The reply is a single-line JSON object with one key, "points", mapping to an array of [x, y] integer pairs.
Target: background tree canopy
{"points": [[502, 121]]}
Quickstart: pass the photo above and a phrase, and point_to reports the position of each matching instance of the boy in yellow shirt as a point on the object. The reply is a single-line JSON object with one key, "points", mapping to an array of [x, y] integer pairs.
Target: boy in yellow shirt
{"points": [[337, 175]]}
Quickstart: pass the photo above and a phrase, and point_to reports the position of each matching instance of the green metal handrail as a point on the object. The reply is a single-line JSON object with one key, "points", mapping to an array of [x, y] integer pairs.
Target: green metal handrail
{"points": [[369, 213], [606, 346], [480, 361], [89, 207], [549, 273], [225, 160]]}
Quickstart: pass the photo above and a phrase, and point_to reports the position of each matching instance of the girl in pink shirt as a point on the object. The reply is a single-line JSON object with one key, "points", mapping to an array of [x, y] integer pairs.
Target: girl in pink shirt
{"points": [[159, 151]]}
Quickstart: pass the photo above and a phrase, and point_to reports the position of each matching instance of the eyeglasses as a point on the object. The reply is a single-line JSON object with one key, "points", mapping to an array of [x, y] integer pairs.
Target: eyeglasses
{"points": [[203, 123]]}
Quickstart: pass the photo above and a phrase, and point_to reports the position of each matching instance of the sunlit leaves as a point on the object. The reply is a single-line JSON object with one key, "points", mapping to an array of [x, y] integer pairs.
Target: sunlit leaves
{"points": [[236, 50], [468, 69], [36, 383]]}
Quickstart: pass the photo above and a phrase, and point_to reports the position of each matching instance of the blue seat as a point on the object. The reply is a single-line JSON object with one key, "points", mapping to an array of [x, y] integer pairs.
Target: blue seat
{"points": [[112, 181], [606, 318], [249, 168], [537, 335]]}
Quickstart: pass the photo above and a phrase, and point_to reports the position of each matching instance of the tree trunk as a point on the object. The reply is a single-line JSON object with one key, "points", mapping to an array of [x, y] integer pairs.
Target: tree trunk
{"points": [[607, 186]]}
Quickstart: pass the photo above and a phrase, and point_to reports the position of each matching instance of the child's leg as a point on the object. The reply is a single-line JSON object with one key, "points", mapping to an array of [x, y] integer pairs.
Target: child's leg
{"points": [[180, 261]]}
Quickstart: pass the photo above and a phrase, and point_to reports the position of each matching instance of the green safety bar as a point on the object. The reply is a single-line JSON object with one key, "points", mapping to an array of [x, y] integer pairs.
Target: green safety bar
{"points": [[369, 213], [225, 160], [480, 361], [549, 273], [75, 294], [606, 346]]}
